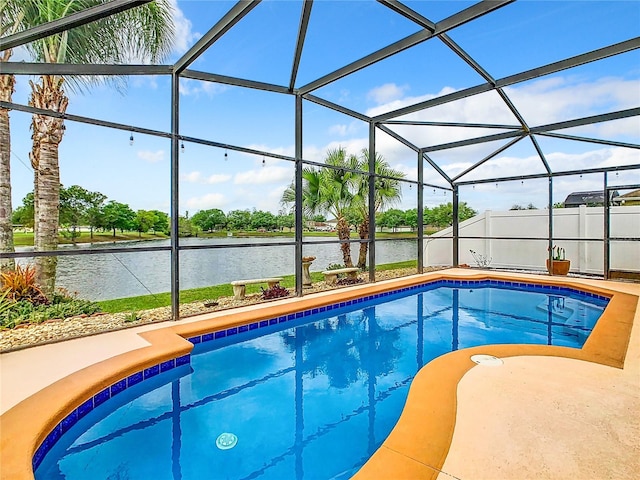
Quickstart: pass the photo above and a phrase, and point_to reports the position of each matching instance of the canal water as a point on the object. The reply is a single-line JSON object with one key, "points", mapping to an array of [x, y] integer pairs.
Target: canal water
{"points": [[117, 275]]}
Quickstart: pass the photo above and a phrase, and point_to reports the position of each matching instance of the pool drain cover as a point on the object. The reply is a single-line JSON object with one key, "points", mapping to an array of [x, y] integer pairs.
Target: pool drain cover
{"points": [[487, 360], [225, 441]]}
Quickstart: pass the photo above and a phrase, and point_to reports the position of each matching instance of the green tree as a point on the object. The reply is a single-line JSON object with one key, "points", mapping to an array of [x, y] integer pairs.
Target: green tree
{"points": [[162, 222], [387, 193], [209, 220], [75, 208], [118, 216], [144, 221], [23, 215], [260, 219], [442, 215], [186, 227], [238, 219], [329, 191], [94, 214], [392, 218], [411, 218], [285, 221], [144, 33]]}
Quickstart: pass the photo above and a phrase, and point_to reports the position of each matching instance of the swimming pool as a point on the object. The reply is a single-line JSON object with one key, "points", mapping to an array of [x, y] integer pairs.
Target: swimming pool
{"points": [[310, 396]]}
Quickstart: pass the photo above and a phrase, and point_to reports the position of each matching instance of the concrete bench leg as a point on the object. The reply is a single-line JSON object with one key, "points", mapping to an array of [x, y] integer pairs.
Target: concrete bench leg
{"points": [[239, 291], [352, 274], [273, 284], [331, 279]]}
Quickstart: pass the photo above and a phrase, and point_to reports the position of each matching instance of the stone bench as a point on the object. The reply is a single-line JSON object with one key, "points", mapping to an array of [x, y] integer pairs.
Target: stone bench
{"points": [[239, 286], [331, 276]]}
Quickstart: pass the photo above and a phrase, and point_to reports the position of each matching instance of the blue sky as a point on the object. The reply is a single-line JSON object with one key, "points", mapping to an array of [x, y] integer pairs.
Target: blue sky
{"points": [[518, 37]]}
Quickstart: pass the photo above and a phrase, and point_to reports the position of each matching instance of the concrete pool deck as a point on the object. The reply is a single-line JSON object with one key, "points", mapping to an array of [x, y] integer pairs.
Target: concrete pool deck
{"points": [[533, 417]]}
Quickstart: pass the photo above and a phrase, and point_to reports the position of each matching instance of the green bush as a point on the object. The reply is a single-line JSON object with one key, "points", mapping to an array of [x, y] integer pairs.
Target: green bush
{"points": [[62, 306], [335, 266]]}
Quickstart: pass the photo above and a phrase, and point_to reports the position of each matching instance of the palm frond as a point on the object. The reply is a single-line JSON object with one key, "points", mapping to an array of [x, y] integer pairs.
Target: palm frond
{"points": [[143, 34]]}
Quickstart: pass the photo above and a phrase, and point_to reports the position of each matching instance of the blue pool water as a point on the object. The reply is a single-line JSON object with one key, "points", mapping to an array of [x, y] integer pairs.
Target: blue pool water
{"points": [[311, 398]]}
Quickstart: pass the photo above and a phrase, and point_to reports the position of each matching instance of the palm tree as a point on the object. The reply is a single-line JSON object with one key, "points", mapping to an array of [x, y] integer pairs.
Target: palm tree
{"points": [[329, 190], [387, 194], [10, 20], [144, 33]]}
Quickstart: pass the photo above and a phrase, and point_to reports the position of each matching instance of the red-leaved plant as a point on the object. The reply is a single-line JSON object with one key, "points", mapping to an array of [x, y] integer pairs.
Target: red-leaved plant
{"points": [[274, 292], [20, 284]]}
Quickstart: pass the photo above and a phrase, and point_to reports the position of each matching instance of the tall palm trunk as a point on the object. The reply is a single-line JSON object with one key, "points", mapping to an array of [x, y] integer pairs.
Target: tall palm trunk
{"points": [[363, 231], [47, 135], [6, 225], [344, 234]]}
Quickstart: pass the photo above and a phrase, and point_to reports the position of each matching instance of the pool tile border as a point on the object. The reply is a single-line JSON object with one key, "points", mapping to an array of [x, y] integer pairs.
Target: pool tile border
{"points": [[101, 397], [250, 327]]}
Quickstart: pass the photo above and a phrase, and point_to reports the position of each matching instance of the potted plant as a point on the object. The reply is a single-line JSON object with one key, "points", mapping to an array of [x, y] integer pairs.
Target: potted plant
{"points": [[559, 265]]}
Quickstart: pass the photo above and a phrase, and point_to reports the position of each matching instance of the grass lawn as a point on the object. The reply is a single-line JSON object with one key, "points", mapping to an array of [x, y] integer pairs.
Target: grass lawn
{"points": [[22, 239], [146, 302]]}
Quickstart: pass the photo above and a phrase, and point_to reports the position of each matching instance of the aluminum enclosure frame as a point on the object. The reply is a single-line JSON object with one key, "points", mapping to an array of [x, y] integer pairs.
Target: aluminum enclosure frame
{"points": [[429, 31]]}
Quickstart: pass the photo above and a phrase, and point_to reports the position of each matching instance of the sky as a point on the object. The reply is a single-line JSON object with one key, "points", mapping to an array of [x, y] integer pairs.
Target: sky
{"points": [[515, 38]]}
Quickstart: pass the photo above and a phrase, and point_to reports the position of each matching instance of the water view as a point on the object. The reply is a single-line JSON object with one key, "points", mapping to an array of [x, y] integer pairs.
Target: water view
{"points": [[117, 275]]}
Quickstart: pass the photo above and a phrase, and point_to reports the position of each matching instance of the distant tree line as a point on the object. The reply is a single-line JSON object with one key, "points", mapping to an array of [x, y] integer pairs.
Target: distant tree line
{"points": [[81, 208], [215, 219], [440, 216]]}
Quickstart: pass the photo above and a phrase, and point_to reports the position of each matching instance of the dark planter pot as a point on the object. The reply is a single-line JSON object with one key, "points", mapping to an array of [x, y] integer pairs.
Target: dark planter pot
{"points": [[560, 267]]}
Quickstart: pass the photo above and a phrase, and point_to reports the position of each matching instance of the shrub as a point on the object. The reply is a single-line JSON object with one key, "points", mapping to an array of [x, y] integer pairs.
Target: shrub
{"points": [[274, 292], [335, 266], [349, 281], [21, 285], [63, 305], [131, 317]]}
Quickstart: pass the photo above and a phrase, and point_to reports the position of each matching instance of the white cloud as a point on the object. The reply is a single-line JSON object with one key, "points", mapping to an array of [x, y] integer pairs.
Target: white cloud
{"points": [[264, 175], [197, 177], [188, 86], [508, 166], [404, 102], [210, 200], [387, 93], [151, 157], [184, 36], [191, 177], [343, 130], [563, 98]]}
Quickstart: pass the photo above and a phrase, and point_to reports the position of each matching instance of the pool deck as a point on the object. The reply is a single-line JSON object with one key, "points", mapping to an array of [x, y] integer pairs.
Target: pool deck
{"points": [[547, 412]]}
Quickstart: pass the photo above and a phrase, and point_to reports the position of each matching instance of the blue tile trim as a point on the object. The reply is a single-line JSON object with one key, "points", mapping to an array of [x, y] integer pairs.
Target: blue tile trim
{"points": [[168, 365], [118, 387], [207, 337], [183, 360], [69, 421], [135, 378], [98, 399], [85, 408], [101, 397], [151, 371]]}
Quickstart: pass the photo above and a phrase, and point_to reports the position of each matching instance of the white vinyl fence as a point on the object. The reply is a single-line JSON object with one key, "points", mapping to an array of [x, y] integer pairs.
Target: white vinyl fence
{"points": [[586, 223]]}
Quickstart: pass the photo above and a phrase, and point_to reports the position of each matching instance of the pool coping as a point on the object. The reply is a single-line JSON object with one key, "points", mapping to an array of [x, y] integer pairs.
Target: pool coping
{"points": [[413, 445]]}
